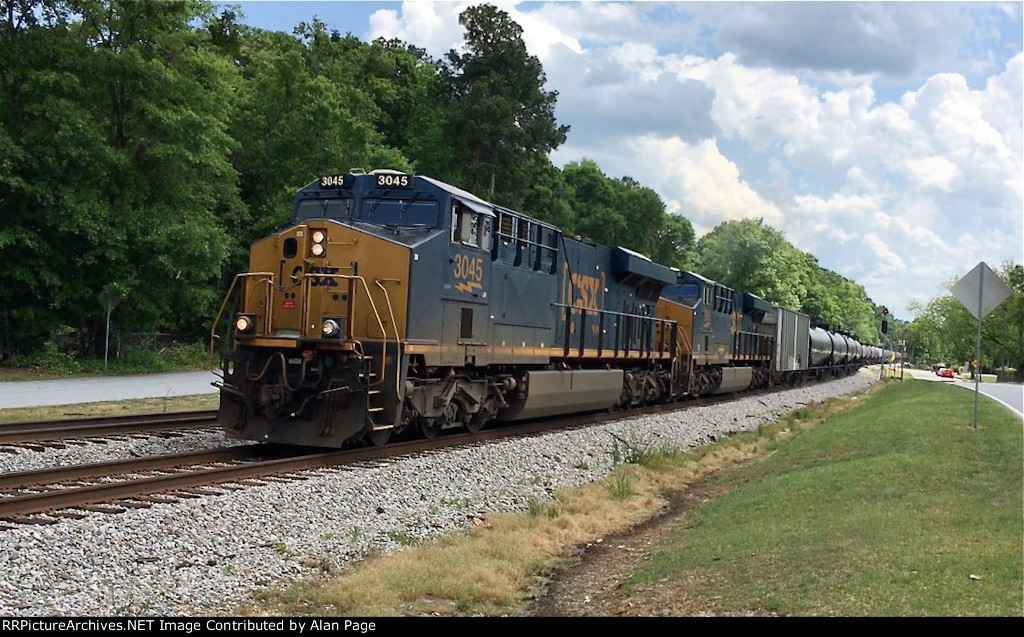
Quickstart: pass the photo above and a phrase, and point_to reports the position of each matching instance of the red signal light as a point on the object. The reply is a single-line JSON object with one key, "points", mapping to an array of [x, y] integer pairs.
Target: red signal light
{"points": [[885, 311]]}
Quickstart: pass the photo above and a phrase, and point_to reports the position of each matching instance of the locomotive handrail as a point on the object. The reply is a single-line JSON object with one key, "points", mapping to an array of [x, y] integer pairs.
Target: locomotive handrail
{"points": [[213, 328], [394, 325], [350, 277], [649, 337]]}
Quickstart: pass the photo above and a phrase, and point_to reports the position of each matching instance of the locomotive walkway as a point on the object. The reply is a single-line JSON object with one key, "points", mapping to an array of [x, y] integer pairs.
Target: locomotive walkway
{"points": [[42, 393]]}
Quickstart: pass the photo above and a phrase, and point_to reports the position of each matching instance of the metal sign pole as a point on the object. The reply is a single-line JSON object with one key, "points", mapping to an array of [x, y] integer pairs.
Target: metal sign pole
{"points": [[106, 343], [977, 354]]}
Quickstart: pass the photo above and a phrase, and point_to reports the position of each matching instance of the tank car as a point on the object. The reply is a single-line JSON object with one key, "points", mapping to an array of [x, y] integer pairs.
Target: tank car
{"points": [[392, 301]]}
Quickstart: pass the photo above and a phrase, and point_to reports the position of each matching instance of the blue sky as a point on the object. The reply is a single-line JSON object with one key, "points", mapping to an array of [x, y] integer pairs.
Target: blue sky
{"points": [[884, 138]]}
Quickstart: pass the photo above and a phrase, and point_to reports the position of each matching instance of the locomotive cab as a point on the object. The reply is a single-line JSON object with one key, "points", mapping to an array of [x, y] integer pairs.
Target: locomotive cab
{"points": [[322, 310]]}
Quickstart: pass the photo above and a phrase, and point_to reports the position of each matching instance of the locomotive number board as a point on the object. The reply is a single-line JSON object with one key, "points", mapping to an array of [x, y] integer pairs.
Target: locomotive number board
{"points": [[335, 181], [392, 180]]}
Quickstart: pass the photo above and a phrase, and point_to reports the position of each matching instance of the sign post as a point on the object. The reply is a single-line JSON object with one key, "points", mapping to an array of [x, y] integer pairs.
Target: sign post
{"points": [[980, 291], [108, 298]]}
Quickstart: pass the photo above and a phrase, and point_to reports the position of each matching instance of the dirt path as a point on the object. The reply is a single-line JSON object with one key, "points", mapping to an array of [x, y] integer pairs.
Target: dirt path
{"points": [[591, 587]]}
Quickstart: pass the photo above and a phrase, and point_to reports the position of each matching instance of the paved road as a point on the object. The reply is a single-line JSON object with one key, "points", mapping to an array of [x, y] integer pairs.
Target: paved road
{"points": [[1011, 395], [38, 393]]}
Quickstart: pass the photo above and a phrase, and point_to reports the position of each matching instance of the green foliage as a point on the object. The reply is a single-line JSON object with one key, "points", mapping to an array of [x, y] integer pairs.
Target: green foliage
{"points": [[753, 257], [118, 127], [51, 361], [500, 119], [750, 256], [944, 332], [641, 452], [294, 92], [620, 485], [534, 507], [621, 212]]}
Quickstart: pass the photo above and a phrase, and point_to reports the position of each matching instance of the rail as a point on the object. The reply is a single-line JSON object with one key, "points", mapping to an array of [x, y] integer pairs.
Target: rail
{"points": [[50, 430], [628, 327], [308, 277], [270, 308]]}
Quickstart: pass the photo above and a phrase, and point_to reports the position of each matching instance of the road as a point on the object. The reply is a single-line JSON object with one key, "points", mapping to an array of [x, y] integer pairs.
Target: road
{"points": [[71, 391], [39, 393], [1010, 395]]}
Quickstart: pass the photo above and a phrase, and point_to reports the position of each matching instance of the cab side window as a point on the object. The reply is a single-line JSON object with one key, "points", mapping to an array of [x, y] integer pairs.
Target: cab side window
{"points": [[470, 228]]}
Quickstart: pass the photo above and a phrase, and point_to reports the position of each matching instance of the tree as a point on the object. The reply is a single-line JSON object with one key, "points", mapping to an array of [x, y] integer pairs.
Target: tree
{"points": [[752, 257], [499, 115], [116, 123], [943, 331], [674, 242], [298, 115]]}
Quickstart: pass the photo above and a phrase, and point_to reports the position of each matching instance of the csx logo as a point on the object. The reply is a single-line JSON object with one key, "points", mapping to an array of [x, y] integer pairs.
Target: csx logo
{"points": [[326, 281], [585, 291]]}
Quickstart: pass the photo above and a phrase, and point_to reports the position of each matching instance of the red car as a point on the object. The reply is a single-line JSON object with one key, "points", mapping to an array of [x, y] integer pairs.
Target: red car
{"points": [[945, 372]]}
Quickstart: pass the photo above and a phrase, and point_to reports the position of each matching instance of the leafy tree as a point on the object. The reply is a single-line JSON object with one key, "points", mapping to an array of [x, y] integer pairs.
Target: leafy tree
{"points": [[944, 332], [298, 115], [499, 115], [116, 125], [674, 242], [549, 197], [750, 256], [821, 301], [594, 203]]}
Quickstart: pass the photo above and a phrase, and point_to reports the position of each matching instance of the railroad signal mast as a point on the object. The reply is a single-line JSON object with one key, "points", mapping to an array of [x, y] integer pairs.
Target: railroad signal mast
{"points": [[885, 330]]}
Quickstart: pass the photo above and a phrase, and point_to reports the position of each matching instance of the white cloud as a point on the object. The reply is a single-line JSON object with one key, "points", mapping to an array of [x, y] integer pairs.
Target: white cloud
{"points": [[433, 26], [888, 262], [900, 188]]}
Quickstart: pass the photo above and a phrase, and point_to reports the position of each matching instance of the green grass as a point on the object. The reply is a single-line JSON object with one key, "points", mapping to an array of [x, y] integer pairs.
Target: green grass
{"points": [[52, 364], [887, 509]]}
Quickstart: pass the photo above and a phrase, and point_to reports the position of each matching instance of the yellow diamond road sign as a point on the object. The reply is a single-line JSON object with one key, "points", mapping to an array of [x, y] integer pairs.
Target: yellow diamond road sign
{"points": [[980, 291]]}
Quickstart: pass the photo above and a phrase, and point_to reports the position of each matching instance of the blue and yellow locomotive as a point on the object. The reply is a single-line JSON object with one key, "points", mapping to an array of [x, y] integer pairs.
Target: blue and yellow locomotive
{"points": [[393, 301]]}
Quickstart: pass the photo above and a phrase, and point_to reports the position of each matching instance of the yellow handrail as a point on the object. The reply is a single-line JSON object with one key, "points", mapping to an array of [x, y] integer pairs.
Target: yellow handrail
{"points": [[394, 325], [373, 306], [213, 327]]}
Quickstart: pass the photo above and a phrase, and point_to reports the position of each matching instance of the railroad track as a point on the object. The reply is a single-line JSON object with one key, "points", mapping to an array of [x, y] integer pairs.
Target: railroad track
{"points": [[40, 431], [41, 496]]}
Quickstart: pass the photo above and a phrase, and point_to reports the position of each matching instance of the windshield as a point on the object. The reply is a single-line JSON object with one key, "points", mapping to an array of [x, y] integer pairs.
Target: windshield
{"points": [[334, 208], [400, 212], [688, 290]]}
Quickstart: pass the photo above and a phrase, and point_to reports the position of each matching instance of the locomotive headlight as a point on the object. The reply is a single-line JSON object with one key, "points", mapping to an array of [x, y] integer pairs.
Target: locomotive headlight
{"points": [[245, 323], [318, 247], [330, 328]]}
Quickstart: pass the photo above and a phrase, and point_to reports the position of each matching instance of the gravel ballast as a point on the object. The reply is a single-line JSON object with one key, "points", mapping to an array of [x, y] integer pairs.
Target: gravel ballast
{"points": [[201, 556], [16, 459]]}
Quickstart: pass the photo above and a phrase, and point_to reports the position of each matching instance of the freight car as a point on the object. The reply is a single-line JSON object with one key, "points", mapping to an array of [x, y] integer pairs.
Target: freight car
{"points": [[393, 301]]}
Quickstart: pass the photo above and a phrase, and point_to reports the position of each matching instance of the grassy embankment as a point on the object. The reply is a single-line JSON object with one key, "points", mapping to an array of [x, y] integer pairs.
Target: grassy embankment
{"points": [[885, 506], [53, 364]]}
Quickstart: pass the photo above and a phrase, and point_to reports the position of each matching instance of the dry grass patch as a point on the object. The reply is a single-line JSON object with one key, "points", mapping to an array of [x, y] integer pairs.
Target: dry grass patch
{"points": [[491, 569], [133, 407], [487, 570]]}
